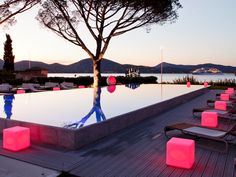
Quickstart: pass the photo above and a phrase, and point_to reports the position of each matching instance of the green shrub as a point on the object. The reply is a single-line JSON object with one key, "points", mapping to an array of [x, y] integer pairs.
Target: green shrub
{"points": [[186, 79]]}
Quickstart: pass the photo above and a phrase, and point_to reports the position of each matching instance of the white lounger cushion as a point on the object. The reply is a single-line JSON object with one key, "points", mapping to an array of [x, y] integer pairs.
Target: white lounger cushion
{"points": [[205, 131]]}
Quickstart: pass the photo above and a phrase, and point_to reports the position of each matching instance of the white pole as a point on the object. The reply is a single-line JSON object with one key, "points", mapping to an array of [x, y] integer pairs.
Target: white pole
{"points": [[161, 62]]}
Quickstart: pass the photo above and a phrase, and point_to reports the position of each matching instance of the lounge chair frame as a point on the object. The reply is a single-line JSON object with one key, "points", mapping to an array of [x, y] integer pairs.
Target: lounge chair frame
{"points": [[188, 129]]}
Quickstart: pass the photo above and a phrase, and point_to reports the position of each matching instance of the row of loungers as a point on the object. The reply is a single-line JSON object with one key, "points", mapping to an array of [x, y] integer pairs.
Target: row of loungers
{"points": [[216, 134], [31, 87]]}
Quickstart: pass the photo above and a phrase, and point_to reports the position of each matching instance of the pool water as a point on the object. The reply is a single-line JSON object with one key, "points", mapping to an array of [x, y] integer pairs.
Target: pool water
{"points": [[82, 107]]}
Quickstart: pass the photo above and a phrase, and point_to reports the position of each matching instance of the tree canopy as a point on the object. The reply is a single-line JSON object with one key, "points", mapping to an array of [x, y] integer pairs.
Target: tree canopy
{"points": [[103, 20], [9, 8], [8, 56]]}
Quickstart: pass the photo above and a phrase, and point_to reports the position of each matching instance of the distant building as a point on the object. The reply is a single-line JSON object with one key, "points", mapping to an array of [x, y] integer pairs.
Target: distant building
{"points": [[132, 72], [32, 73], [202, 71]]}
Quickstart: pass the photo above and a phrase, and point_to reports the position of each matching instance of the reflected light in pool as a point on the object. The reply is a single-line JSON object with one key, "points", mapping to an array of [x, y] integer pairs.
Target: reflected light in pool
{"points": [[66, 107]]}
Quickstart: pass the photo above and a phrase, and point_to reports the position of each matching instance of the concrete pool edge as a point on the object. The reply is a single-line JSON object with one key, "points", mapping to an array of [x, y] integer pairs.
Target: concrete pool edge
{"points": [[74, 139]]}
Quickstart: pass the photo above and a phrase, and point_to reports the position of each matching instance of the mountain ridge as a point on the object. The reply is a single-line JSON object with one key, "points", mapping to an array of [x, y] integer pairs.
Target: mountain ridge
{"points": [[108, 66]]}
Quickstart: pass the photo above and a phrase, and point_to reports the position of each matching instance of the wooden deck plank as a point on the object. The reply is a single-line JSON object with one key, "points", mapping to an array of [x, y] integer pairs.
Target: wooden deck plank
{"points": [[116, 162], [229, 166], [107, 153], [210, 166], [220, 165]]}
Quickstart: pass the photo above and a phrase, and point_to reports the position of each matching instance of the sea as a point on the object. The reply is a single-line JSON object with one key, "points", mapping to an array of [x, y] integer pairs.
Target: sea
{"points": [[164, 77]]}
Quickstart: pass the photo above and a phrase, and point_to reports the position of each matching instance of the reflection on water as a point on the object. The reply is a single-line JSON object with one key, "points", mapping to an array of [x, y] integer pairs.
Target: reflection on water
{"points": [[132, 85], [83, 107], [8, 99], [96, 108]]}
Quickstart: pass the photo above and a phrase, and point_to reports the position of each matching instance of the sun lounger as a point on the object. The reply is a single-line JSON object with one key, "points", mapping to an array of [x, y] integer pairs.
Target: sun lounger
{"points": [[229, 112], [230, 103], [6, 88], [31, 87], [49, 85], [203, 132], [67, 85]]}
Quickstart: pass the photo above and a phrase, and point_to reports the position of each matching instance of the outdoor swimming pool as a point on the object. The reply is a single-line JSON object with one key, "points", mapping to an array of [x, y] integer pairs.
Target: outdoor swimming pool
{"points": [[86, 106]]}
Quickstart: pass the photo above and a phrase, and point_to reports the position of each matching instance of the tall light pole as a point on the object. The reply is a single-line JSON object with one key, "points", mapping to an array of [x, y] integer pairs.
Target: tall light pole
{"points": [[161, 62]]}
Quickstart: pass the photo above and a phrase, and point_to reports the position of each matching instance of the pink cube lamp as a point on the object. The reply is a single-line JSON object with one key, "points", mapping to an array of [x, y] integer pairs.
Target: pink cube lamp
{"points": [[111, 88], [20, 91], [209, 119], [221, 105], [224, 97], [230, 91], [180, 152], [188, 84], [205, 84], [111, 80], [81, 86], [16, 138], [56, 88]]}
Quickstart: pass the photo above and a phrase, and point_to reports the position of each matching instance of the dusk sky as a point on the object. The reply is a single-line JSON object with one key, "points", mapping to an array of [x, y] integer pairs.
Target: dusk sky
{"points": [[205, 32]]}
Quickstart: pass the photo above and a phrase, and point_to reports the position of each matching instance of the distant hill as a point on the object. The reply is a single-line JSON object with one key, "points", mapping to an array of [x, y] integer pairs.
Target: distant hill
{"points": [[108, 66]]}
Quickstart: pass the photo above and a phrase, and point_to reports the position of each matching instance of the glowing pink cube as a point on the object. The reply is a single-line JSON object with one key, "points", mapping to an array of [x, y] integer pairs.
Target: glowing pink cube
{"points": [[16, 138], [111, 80], [209, 119], [230, 90], [188, 84], [205, 84], [56, 88], [224, 97], [221, 105], [180, 152], [111, 88], [20, 91], [81, 86]]}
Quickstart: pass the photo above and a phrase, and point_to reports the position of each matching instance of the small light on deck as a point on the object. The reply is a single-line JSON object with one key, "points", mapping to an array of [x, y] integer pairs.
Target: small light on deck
{"points": [[20, 91], [230, 91], [205, 84], [111, 88], [221, 105], [111, 80], [224, 97], [56, 88], [209, 119], [188, 84], [180, 152], [81, 86], [16, 138]]}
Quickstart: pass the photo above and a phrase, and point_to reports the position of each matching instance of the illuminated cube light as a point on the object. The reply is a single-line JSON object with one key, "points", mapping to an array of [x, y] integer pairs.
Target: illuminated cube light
{"points": [[111, 88], [111, 80], [56, 88], [205, 84], [209, 119], [224, 97], [230, 91], [221, 105], [188, 84], [81, 86], [180, 152], [16, 138], [20, 91]]}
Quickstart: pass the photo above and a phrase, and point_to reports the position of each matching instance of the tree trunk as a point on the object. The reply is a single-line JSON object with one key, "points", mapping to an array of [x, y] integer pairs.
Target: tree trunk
{"points": [[96, 73]]}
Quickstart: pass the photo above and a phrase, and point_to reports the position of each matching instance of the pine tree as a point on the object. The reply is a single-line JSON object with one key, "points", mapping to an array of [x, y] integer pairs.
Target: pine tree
{"points": [[8, 56]]}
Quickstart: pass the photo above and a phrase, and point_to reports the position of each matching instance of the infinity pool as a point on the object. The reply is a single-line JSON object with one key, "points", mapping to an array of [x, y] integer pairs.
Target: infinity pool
{"points": [[82, 107]]}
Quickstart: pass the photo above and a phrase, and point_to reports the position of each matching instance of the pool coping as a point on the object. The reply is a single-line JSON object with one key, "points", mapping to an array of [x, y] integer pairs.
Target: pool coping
{"points": [[77, 138]]}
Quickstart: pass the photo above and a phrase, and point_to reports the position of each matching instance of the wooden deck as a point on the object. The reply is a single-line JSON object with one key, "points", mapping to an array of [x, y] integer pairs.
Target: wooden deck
{"points": [[137, 151]]}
